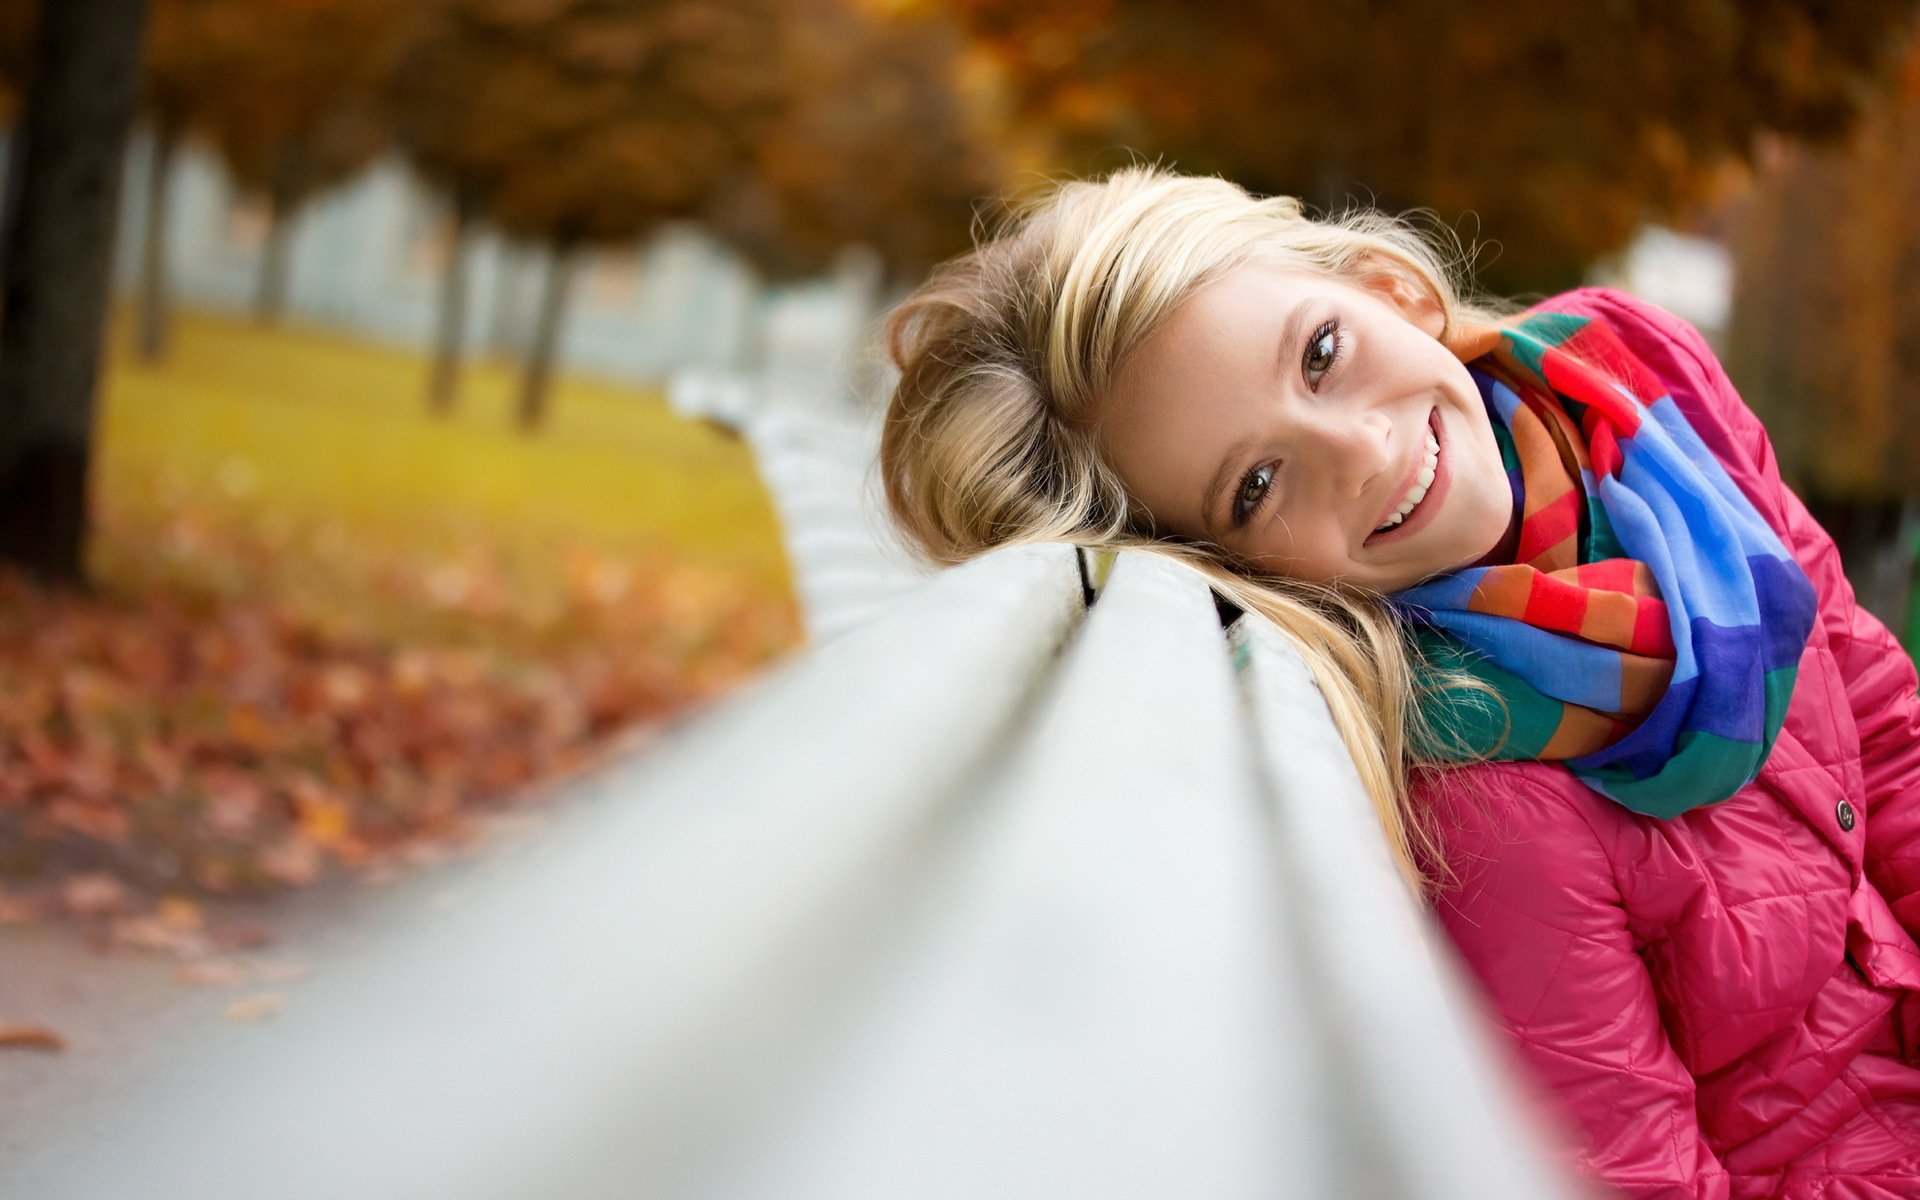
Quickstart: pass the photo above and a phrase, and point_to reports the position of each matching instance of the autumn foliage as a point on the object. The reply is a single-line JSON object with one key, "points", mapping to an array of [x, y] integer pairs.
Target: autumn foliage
{"points": [[1825, 337], [884, 136], [185, 744], [1559, 129]]}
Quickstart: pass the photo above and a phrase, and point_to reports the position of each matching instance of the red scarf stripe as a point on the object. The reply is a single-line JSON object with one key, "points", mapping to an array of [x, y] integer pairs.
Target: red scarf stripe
{"points": [[1611, 618], [1546, 534], [1652, 630], [1553, 604], [1604, 450], [1560, 602], [1609, 575], [1585, 370], [1604, 360], [1550, 524]]}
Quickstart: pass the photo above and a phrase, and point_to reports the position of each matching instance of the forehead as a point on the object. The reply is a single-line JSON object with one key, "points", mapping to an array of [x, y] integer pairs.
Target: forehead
{"points": [[1244, 305], [1189, 393]]}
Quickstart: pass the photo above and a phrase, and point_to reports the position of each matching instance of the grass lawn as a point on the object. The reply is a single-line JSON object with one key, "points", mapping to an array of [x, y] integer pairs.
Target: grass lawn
{"points": [[331, 629], [318, 452]]}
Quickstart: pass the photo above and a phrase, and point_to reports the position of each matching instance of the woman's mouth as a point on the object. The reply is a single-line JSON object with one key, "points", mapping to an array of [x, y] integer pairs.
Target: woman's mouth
{"points": [[1421, 494]]}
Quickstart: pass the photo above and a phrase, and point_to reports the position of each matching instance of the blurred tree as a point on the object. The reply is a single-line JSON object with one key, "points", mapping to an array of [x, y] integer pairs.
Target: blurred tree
{"points": [[1825, 335], [181, 79], [16, 48], [290, 92], [880, 143], [462, 140], [69, 146], [580, 122], [17, 19], [1560, 131]]}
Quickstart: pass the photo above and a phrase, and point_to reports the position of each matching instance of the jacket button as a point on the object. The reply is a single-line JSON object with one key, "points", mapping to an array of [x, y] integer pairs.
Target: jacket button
{"points": [[1845, 812]]}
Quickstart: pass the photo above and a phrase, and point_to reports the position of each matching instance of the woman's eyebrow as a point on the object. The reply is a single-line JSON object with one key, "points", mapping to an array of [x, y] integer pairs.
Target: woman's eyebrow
{"points": [[1291, 335]]}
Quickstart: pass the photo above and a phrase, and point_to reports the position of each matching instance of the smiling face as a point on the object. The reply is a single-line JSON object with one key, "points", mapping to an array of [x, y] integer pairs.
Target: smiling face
{"points": [[1313, 428]]}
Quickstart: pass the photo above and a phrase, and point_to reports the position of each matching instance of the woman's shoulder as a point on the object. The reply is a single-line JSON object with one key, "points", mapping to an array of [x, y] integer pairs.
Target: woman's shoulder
{"points": [[1677, 352], [1614, 304], [1495, 808], [1520, 835], [1685, 362]]}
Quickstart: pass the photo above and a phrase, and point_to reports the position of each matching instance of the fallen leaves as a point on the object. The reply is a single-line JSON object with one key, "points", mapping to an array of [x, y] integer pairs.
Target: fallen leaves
{"points": [[30, 1037], [234, 972], [257, 1007], [179, 737]]}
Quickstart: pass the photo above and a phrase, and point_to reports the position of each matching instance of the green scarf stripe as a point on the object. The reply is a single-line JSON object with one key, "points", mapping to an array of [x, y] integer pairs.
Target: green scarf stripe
{"points": [[1779, 685], [1601, 543], [1475, 719], [1545, 331], [1702, 764], [1509, 453]]}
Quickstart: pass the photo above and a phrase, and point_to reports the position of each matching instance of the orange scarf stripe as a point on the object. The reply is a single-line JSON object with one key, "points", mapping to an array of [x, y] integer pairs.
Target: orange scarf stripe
{"points": [[1643, 681], [1582, 731]]}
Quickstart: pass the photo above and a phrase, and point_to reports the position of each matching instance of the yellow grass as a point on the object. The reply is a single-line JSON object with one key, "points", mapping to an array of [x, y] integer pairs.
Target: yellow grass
{"points": [[300, 438], [333, 626]]}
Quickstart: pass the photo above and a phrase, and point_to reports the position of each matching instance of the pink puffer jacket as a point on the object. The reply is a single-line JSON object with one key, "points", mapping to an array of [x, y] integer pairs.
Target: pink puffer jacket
{"points": [[1722, 1004]]}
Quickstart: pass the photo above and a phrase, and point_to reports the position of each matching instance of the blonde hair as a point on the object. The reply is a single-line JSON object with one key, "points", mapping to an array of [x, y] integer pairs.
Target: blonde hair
{"points": [[1005, 351]]}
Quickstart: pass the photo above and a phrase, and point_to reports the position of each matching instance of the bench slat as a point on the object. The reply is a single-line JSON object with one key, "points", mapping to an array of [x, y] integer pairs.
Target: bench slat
{"points": [[1416, 1092], [1092, 1002]]}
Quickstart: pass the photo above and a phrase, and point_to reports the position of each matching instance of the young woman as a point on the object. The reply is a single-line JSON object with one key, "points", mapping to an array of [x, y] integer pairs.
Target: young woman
{"points": [[1620, 716]]}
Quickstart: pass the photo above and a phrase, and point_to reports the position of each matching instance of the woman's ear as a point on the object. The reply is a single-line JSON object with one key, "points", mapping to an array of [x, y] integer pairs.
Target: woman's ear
{"points": [[1410, 299]]}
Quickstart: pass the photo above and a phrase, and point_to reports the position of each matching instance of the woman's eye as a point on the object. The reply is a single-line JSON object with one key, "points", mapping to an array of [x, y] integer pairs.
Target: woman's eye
{"points": [[1323, 350], [1253, 490]]}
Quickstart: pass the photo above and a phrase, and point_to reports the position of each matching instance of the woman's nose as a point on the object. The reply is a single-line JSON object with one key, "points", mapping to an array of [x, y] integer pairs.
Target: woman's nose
{"points": [[1358, 448]]}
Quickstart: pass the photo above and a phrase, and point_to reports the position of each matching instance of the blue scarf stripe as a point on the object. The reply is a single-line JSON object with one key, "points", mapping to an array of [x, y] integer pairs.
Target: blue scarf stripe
{"points": [[1644, 752], [1566, 669], [1687, 442], [1782, 589]]}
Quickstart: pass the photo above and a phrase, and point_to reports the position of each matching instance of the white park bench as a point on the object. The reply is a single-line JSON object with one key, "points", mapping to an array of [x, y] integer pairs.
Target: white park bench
{"points": [[994, 896], [816, 459]]}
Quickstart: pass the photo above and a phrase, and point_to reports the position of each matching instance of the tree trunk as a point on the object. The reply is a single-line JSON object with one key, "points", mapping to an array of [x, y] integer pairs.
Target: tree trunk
{"points": [[506, 335], [444, 383], [10, 201], [538, 378], [155, 303], [270, 296], [75, 118]]}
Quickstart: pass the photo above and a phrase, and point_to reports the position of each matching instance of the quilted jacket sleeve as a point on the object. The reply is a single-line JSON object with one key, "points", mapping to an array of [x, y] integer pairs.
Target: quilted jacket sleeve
{"points": [[1884, 694], [1540, 920], [1880, 678]]}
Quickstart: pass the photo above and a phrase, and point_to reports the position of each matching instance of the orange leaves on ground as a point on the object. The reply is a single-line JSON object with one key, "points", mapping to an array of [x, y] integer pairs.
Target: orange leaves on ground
{"points": [[30, 1037], [196, 743], [257, 1007]]}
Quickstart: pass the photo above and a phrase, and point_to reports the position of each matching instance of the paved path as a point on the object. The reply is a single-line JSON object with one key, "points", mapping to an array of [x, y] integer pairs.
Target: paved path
{"points": [[126, 1016]]}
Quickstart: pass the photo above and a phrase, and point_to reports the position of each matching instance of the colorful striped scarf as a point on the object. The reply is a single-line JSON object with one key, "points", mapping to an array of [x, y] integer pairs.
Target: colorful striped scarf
{"points": [[1650, 628]]}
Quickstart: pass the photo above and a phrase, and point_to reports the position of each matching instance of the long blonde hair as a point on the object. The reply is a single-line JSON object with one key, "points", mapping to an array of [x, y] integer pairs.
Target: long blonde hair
{"points": [[1005, 351]]}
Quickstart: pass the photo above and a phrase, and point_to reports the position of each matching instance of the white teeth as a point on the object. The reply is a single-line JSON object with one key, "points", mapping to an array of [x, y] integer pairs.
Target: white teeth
{"points": [[1421, 483]]}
